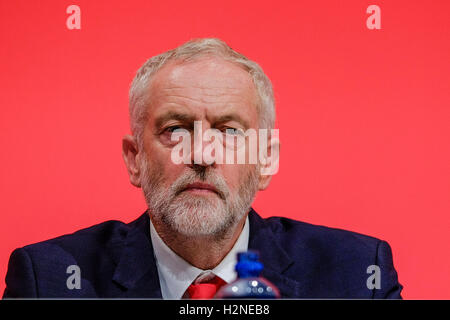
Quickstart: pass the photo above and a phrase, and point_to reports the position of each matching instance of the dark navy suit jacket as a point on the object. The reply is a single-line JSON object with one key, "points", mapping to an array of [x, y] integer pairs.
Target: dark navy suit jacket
{"points": [[116, 260]]}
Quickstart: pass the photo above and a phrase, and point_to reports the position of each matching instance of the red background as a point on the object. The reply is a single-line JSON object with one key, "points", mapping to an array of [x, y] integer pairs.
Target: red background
{"points": [[364, 116]]}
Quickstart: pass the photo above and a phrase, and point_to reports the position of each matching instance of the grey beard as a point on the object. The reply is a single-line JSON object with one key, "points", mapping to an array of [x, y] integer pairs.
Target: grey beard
{"points": [[194, 216]]}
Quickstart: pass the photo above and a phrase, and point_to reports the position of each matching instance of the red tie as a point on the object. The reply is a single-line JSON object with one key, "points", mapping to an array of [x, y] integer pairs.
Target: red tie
{"points": [[205, 290]]}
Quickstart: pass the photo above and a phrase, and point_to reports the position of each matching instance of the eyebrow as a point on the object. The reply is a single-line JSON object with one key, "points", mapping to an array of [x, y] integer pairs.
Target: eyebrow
{"points": [[186, 118], [231, 117], [173, 116]]}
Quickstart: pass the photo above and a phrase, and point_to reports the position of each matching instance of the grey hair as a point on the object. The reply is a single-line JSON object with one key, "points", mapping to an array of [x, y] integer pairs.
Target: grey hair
{"points": [[139, 93]]}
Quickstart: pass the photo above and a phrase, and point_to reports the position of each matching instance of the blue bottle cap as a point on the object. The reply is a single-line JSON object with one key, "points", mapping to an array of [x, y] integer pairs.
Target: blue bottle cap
{"points": [[248, 264]]}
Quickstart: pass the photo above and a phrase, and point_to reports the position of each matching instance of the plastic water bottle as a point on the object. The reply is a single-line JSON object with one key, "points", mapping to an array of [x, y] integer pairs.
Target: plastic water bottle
{"points": [[249, 284]]}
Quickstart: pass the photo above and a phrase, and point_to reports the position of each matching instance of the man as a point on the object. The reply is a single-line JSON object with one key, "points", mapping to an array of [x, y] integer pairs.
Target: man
{"points": [[199, 210]]}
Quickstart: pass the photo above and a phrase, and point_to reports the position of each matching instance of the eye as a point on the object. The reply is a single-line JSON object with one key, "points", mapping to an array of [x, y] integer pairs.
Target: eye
{"points": [[233, 131], [173, 129], [172, 134]]}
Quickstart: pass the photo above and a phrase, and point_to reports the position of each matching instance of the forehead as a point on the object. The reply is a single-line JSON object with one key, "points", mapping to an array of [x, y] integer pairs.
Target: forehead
{"points": [[206, 84]]}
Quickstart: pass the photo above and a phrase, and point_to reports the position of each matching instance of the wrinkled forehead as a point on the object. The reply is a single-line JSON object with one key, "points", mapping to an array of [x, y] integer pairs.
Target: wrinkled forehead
{"points": [[205, 78]]}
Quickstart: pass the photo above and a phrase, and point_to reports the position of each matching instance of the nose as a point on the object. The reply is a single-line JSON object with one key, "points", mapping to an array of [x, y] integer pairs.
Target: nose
{"points": [[200, 144], [200, 170]]}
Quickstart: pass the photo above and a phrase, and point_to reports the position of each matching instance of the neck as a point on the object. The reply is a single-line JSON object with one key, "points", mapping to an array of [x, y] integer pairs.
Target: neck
{"points": [[203, 252]]}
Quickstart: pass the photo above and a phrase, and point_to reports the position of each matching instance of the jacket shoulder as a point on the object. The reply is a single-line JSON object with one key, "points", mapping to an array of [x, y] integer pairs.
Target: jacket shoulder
{"points": [[98, 235], [46, 264], [336, 263], [313, 236]]}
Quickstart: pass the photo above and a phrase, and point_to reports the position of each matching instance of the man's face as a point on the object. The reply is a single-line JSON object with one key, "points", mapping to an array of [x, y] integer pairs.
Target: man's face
{"points": [[198, 199]]}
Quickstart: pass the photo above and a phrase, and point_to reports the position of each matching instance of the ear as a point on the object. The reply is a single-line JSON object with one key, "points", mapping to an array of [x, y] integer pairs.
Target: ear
{"points": [[269, 161], [130, 153]]}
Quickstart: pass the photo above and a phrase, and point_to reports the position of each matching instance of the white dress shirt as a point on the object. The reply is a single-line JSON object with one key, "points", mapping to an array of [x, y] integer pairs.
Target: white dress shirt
{"points": [[176, 274]]}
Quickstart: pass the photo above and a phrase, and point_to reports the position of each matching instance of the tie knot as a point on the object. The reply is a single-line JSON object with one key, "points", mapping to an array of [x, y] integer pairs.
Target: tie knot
{"points": [[205, 286]]}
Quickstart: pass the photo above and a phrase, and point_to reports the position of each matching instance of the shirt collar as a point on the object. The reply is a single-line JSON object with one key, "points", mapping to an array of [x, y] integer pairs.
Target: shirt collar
{"points": [[176, 274]]}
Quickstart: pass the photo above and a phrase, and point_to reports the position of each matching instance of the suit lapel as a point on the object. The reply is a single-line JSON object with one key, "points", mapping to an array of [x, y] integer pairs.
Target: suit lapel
{"points": [[136, 270], [276, 261]]}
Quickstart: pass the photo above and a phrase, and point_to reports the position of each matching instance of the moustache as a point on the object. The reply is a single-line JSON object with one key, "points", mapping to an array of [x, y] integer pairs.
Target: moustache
{"points": [[207, 177]]}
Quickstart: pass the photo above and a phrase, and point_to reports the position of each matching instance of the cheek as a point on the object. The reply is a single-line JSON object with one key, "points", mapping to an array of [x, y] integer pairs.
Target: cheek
{"points": [[160, 163], [236, 174]]}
